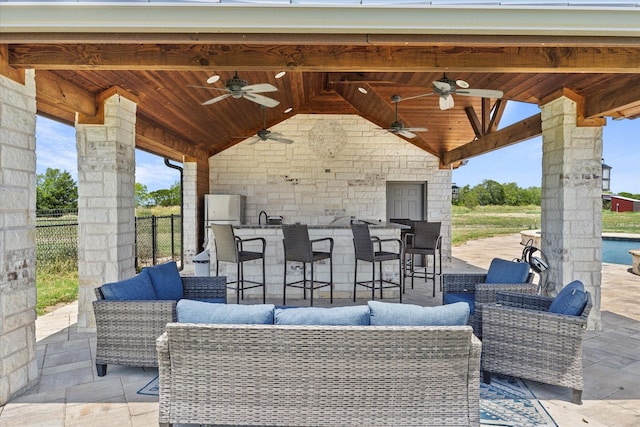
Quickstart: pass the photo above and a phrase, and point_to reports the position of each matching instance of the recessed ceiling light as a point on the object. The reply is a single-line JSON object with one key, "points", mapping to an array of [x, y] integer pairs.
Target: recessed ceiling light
{"points": [[362, 90], [288, 110], [280, 74], [213, 79]]}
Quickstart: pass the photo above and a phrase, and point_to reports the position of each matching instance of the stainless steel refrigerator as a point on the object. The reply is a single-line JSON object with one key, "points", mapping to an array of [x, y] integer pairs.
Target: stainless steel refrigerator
{"points": [[223, 209]]}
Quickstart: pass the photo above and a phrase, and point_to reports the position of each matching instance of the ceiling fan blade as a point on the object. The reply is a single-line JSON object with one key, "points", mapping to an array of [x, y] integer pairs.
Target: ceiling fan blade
{"points": [[260, 87], [441, 86], [283, 140], [446, 102], [253, 140], [417, 96], [406, 133], [482, 93], [412, 129], [216, 99], [223, 89], [260, 99]]}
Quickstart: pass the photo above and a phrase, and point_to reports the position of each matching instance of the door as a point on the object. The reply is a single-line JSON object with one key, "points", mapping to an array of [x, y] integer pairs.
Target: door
{"points": [[406, 200]]}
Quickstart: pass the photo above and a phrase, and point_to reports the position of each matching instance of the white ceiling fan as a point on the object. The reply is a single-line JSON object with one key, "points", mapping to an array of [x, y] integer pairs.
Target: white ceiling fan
{"points": [[239, 88], [398, 128], [446, 87], [265, 134]]}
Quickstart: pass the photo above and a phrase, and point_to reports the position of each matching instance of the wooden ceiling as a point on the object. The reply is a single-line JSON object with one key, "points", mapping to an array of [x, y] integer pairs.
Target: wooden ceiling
{"points": [[324, 73]]}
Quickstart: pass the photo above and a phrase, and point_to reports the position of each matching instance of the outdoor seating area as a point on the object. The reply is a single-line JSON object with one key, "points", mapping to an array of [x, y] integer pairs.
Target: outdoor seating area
{"points": [[71, 393]]}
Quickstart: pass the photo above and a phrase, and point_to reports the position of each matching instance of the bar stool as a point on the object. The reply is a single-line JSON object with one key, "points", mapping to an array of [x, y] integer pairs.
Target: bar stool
{"points": [[230, 248], [425, 241], [365, 250], [299, 248]]}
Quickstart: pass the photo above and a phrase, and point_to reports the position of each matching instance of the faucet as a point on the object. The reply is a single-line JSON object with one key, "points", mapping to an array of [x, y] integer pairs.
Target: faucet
{"points": [[260, 217]]}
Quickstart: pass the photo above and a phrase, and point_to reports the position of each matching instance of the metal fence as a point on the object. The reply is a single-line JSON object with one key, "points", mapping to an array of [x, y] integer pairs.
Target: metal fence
{"points": [[158, 239]]}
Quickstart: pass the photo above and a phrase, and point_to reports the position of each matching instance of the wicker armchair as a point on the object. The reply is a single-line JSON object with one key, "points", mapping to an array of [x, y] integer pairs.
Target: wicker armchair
{"points": [[127, 330], [522, 339], [474, 286]]}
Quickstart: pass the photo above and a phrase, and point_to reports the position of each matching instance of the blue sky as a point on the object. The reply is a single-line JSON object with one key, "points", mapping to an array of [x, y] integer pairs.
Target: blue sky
{"points": [[520, 163]]}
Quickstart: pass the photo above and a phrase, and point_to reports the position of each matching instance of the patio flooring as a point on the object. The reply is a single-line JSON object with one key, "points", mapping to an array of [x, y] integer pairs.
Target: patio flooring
{"points": [[71, 394]]}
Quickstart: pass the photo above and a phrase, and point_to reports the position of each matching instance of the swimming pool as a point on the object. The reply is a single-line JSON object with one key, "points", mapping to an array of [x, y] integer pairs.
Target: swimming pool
{"points": [[615, 250]]}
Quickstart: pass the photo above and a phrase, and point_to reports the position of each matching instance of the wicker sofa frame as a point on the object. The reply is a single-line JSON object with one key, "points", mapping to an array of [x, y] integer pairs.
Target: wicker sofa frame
{"points": [[319, 375], [484, 293], [127, 330], [522, 339]]}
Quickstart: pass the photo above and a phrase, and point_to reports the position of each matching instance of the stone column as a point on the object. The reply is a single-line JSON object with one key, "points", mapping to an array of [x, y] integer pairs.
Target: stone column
{"points": [[106, 208], [18, 363], [189, 211], [572, 201]]}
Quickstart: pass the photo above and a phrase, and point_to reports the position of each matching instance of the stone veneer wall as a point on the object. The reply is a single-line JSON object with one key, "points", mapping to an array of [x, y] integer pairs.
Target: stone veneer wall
{"points": [[18, 363], [106, 211], [337, 166], [572, 201]]}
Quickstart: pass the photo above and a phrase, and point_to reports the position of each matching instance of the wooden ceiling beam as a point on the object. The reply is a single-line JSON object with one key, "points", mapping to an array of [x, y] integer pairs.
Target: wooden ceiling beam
{"points": [[523, 130], [63, 95], [325, 58], [611, 100], [315, 39], [150, 137]]}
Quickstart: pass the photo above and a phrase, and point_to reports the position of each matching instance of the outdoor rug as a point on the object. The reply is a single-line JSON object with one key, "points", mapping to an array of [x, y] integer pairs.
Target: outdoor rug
{"points": [[506, 402]]}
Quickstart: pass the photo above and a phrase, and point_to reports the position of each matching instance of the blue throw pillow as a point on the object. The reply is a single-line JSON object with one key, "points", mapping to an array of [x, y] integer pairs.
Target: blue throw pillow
{"points": [[138, 287], [188, 311], [503, 271], [346, 316], [571, 300], [465, 297], [166, 281], [393, 314]]}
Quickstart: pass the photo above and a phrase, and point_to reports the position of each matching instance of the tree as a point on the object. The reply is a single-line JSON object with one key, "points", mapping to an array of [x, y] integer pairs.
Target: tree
{"points": [[56, 190], [170, 197], [142, 197]]}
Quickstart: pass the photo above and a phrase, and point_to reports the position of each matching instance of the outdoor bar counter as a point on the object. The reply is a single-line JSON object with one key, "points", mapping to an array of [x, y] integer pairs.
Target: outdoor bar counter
{"points": [[343, 259]]}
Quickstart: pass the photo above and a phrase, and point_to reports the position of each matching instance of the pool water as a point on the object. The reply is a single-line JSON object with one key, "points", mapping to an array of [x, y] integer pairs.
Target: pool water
{"points": [[616, 251]]}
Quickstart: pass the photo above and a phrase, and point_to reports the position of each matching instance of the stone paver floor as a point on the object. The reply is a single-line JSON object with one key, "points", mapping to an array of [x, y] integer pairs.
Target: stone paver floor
{"points": [[70, 393]]}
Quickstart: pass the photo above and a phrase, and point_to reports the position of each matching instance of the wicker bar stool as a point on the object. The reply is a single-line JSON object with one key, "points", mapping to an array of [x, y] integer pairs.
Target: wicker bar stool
{"points": [[425, 241], [299, 248], [230, 248], [365, 250]]}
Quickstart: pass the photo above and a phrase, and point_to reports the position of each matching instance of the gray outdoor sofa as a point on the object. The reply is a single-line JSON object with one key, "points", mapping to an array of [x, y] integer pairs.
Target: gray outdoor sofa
{"points": [[129, 320], [320, 375]]}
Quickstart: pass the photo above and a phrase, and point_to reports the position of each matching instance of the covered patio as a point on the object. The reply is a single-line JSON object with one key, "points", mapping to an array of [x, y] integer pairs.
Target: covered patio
{"points": [[134, 75]]}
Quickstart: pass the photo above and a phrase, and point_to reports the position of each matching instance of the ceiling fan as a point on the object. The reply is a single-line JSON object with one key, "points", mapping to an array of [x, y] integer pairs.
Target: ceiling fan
{"points": [[446, 87], [265, 134], [239, 88], [398, 127]]}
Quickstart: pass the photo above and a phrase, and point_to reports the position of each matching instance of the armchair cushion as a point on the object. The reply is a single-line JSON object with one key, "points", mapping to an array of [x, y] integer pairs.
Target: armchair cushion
{"points": [[188, 311], [467, 297], [571, 300], [166, 281], [503, 271], [138, 287], [391, 314], [334, 316]]}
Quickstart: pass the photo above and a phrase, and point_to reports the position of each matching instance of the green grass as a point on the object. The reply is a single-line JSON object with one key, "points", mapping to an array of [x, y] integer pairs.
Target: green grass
{"points": [[489, 221], [56, 283]]}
